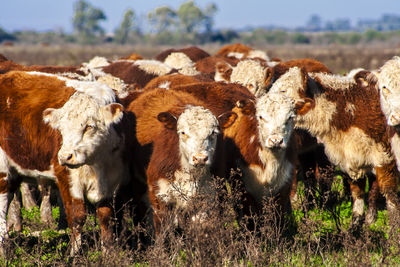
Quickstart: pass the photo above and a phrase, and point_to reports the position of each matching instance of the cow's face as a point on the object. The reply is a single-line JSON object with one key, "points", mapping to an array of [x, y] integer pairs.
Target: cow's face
{"points": [[85, 127], [388, 81], [275, 113], [251, 74], [198, 130]]}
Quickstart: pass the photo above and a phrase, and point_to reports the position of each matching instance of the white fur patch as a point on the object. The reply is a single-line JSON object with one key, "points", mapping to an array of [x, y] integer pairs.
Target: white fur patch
{"points": [[236, 55], [178, 60], [358, 207], [334, 81], [197, 128], [258, 54], [165, 85], [101, 92], [153, 66]]}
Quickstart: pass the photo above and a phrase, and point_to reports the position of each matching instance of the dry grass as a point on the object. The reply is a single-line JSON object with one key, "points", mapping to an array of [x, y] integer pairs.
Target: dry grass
{"points": [[339, 58], [309, 237]]}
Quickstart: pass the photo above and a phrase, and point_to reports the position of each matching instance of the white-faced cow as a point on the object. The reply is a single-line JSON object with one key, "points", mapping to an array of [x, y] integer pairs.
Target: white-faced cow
{"points": [[67, 131]]}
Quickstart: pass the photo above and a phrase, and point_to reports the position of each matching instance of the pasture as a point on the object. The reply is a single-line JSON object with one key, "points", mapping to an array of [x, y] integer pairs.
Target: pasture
{"points": [[317, 232]]}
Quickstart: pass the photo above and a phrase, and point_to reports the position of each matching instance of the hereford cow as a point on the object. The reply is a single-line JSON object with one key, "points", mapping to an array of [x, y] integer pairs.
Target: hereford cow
{"points": [[263, 149], [345, 115], [186, 142], [258, 76], [67, 131]]}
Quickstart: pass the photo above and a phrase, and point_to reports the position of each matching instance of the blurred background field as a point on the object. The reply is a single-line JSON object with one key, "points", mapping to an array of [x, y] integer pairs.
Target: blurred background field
{"points": [[339, 58]]}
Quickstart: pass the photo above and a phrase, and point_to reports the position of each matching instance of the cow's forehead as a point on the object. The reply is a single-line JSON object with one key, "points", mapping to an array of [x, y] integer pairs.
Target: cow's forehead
{"points": [[275, 105], [197, 119], [248, 71], [79, 108]]}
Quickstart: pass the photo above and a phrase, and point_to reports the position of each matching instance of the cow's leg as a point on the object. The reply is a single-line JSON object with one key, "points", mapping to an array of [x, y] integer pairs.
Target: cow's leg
{"points": [[27, 198], [357, 188], [387, 177], [62, 221], [373, 195], [104, 214], [8, 185], [14, 220], [74, 208], [4, 202], [45, 206]]}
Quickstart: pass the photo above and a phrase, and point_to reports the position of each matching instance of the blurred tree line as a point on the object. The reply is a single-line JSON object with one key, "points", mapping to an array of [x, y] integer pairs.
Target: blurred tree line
{"points": [[191, 24]]}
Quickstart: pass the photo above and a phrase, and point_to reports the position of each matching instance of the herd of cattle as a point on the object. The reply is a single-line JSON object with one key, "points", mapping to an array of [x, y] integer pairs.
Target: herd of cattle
{"points": [[154, 131]]}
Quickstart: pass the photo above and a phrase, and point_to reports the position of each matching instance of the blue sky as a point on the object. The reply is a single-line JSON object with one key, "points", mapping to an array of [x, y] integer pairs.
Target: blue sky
{"points": [[45, 15]]}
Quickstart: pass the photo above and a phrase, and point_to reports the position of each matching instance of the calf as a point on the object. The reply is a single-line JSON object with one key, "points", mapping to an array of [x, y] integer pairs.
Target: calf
{"points": [[264, 148], [345, 115], [186, 142], [67, 131]]}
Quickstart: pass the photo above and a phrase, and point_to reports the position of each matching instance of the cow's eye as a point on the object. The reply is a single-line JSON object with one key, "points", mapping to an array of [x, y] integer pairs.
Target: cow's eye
{"points": [[182, 133], [261, 117], [88, 128]]}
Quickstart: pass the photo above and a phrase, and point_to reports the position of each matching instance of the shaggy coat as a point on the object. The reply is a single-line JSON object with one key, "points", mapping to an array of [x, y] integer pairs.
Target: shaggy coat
{"points": [[345, 115]]}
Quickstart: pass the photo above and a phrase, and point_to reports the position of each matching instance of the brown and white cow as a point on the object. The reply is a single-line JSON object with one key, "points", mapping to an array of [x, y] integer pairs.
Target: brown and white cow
{"points": [[264, 149], [258, 76], [185, 140], [345, 115], [67, 131]]}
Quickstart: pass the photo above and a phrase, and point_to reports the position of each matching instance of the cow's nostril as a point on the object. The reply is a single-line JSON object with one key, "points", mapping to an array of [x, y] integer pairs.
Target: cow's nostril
{"points": [[69, 157]]}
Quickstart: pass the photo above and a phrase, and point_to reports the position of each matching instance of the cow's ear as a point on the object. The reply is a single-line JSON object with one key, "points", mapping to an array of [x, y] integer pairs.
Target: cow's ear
{"points": [[50, 116], [227, 119], [224, 70], [246, 106], [167, 119], [113, 113], [269, 74], [303, 106]]}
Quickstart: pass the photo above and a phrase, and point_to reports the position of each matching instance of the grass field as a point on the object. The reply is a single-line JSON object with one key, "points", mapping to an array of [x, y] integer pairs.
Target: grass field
{"points": [[317, 232], [339, 59]]}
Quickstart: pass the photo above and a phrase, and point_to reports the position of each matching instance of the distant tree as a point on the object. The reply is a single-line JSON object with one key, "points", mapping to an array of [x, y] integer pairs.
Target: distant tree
{"points": [[162, 19], [314, 23], [338, 25], [86, 20], [209, 13], [5, 36], [127, 24], [190, 17]]}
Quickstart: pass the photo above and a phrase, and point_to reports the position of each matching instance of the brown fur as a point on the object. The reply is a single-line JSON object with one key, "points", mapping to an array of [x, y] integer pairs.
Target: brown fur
{"points": [[129, 73], [132, 56], [208, 65], [239, 48], [3, 58], [6, 66], [160, 100], [175, 80], [193, 52]]}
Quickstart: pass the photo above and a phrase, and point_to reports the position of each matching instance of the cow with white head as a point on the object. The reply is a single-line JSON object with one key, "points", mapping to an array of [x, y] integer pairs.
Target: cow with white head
{"points": [[275, 113], [388, 82]]}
